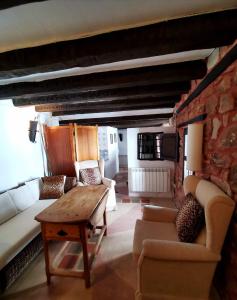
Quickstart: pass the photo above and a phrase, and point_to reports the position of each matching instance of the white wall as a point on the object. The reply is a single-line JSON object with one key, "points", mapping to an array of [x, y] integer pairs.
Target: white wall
{"points": [[133, 162], [111, 164], [122, 145], [20, 160]]}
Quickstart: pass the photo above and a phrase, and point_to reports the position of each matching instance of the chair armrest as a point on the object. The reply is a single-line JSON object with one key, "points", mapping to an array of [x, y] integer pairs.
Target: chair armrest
{"points": [[159, 214], [177, 251], [108, 182]]}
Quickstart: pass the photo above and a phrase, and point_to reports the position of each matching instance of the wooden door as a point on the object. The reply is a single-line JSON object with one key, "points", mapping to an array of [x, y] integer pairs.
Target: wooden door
{"points": [[60, 148], [86, 138]]}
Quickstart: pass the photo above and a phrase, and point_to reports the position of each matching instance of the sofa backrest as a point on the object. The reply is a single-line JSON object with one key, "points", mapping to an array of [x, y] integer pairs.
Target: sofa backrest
{"points": [[86, 164], [218, 209]]}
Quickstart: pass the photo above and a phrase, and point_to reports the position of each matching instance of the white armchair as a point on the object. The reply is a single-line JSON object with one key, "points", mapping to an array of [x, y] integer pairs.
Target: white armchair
{"points": [[86, 164], [170, 269]]}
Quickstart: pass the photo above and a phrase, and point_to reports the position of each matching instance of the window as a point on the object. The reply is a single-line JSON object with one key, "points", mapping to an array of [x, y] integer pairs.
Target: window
{"points": [[149, 146], [186, 172], [157, 146]]}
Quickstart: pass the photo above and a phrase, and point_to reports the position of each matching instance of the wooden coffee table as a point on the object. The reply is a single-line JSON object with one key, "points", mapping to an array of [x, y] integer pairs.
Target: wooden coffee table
{"points": [[74, 217]]}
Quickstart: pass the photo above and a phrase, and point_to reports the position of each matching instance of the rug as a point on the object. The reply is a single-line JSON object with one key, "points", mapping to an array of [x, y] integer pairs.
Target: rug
{"points": [[113, 274]]}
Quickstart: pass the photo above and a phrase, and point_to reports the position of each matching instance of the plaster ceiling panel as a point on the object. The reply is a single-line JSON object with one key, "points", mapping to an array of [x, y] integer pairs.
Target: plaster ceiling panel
{"points": [[56, 20]]}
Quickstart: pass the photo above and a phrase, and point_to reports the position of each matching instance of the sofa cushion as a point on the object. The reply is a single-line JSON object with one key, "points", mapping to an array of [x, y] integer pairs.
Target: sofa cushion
{"points": [[7, 208], [53, 187], [17, 232], [190, 220], [22, 197], [70, 183], [152, 230], [91, 176], [35, 186]]}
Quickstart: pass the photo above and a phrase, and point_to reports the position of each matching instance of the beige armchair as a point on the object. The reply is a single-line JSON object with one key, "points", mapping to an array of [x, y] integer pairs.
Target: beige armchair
{"points": [[170, 269], [86, 164]]}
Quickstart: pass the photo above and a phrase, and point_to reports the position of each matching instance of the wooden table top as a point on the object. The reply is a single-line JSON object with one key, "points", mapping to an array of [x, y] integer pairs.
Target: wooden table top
{"points": [[75, 206]]}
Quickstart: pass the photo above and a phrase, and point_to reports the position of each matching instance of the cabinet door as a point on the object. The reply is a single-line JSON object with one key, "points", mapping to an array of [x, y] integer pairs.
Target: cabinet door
{"points": [[86, 138], [60, 149]]}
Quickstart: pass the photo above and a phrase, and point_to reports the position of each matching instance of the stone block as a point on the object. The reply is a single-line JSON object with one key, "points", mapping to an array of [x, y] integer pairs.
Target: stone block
{"points": [[233, 178], [216, 124], [211, 104], [225, 83], [227, 103], [229, 136], [220, 160], [225, 120]]}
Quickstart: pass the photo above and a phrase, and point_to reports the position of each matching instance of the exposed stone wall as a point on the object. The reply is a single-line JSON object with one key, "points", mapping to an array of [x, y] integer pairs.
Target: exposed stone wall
{"points": [[219, 101]]}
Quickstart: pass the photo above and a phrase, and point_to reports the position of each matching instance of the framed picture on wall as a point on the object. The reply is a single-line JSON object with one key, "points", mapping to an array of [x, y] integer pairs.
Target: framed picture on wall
{"points": [[115, 138], [111, 139]]}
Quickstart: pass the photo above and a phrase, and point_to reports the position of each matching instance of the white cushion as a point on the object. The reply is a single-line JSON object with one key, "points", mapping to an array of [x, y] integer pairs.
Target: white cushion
{"points": [[7, 208], [20, 230], [22, 197], [35, 187]]}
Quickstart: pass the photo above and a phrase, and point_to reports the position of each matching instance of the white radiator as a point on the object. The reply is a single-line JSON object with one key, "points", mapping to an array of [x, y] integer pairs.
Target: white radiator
{"points": [[149, 180]]}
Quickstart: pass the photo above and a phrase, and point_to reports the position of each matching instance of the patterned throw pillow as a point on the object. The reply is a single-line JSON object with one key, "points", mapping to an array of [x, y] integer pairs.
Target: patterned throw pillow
{"points": [[91, 176], [70, 183], [190, 220], [53, 187], [186, 198]]}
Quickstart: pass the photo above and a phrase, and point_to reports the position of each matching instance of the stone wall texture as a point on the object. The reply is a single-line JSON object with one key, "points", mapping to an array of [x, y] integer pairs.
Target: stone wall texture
{"points": [[219, 101]]}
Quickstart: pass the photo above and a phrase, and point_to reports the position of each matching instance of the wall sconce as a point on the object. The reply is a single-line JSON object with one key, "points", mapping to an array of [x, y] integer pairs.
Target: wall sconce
{"points": [[194, 149], [33, 130]]}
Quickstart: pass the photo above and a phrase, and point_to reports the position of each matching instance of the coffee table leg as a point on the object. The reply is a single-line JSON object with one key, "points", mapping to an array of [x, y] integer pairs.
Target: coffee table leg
{"points": [[105, 222], [46, 255], [85, 255]]}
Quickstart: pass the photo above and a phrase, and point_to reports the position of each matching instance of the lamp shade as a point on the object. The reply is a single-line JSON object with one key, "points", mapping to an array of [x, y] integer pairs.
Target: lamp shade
{"points": [[194, 149]]}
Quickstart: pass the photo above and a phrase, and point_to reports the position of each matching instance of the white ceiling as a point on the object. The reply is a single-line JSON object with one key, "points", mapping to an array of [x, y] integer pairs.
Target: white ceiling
{"points": [[56, 20]]}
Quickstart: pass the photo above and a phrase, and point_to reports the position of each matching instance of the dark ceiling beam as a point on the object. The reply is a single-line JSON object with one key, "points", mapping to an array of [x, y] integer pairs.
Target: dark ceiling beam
{"points": [[189, 33], [122, 124], [179, 72], [124, 119], [107, 104], [161, 90], [4, 4], [114, 108]]}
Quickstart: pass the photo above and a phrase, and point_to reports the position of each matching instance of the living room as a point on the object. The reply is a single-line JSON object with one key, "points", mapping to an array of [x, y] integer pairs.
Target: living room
{"points": [[192, 87]]}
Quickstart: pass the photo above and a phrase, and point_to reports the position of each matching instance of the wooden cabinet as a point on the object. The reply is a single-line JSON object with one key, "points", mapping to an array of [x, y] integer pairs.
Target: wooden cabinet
{"points": [[86, 138], [68, 143]]}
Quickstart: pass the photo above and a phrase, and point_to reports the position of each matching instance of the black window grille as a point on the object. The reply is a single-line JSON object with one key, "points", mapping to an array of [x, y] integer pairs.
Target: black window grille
{"points": [[149, 146]]}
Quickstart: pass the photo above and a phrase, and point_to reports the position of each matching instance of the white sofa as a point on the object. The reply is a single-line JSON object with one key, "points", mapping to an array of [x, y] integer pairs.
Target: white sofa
{"points": [[18, 208]]}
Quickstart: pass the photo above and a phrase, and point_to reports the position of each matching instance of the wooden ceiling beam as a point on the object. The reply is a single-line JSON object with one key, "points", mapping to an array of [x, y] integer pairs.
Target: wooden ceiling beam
{"points": [[122, 124], [107, 104], [114, 109], [161, 90], [163, 74], [189, 33], [4, 4], [125, 119]]}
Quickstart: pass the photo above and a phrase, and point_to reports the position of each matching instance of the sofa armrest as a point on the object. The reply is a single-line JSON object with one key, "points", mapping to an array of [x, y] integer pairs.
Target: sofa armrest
{"points": [[177, 251], [108, 182], [79, 183], [159, 214]]}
